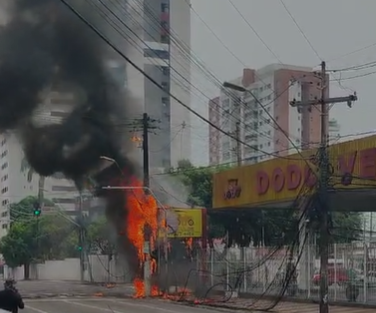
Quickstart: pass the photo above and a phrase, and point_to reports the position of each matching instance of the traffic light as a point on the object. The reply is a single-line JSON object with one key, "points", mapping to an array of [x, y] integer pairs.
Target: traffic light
{"points": [[79, 248], [37, 209]]}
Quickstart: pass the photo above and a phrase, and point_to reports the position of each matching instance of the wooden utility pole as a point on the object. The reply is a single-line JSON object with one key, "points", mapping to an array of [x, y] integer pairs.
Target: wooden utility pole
{"points": [[238, 145], [324, 101], [145, 148]]}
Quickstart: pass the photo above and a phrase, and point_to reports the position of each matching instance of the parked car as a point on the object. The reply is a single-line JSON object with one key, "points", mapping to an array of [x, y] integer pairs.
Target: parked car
{"points": [[340, 276]]}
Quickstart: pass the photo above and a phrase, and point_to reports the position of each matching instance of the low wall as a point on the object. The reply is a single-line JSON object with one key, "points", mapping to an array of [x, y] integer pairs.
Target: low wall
{"points": [[98, 269]]}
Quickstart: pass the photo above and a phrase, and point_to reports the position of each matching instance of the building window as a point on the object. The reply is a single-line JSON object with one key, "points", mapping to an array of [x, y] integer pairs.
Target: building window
{"points": [[5, 202], [64, 188], [5, 226], [269, 132], [4, 154], [165, 70], [269, 144], [164, 85], [4, 166], [164, 25], [165, 7], [64, 200], [165, 39], [165, 101], [154, 53], [3, 142], [4, 214], [59, 114], [4, 190]]}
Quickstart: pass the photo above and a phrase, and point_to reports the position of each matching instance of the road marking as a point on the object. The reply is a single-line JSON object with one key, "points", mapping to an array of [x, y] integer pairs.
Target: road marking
{"points": [[154, 308], [35, 309]]}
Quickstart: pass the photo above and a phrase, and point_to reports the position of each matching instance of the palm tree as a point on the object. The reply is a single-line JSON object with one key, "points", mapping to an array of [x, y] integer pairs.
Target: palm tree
{"points": [[25, 166]]}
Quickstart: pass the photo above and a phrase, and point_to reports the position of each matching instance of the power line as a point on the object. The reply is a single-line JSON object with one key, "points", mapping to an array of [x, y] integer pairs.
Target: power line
{"points": [[355, 67], [353, 52], [254, 31], [107, 41], [300, 30], [356, 76]]}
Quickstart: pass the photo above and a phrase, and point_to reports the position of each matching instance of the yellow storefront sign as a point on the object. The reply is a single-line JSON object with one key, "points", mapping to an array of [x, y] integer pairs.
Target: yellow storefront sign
{"points": [[280, 180], [184, 223]]}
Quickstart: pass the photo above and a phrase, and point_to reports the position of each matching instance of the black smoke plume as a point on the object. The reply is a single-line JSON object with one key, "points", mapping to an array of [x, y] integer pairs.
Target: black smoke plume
{"points": [[44, 46]]}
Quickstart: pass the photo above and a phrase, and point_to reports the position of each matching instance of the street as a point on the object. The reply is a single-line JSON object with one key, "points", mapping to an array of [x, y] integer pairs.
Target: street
{"points": [[99, 305]]}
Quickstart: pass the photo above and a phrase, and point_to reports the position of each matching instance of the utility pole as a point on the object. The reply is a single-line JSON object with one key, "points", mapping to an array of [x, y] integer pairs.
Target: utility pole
{"points": [[324, 101], [81, 240], [238, 144], [145, 148], [147, 231]]}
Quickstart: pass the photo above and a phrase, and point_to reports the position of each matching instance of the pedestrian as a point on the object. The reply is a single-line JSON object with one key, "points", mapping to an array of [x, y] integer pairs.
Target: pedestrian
{"points": [[10, 298]]}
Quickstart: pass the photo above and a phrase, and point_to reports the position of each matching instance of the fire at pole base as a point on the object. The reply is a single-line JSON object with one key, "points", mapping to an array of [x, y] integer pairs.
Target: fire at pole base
{"points": [[146, 230], [141, 217]]}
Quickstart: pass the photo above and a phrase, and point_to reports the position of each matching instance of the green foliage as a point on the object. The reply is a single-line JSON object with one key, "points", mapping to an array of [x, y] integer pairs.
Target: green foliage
{"points": [[19, 245], [269, 227], [199, 181], [25, 208], [30, 238], [99, 237]]}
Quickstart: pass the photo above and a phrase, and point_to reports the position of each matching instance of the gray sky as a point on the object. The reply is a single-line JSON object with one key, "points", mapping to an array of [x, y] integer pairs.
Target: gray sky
{"points": [[335, 28]]}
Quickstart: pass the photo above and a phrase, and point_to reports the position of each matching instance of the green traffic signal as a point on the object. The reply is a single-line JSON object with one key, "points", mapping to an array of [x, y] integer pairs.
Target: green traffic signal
{"points": [[37, 209], [79, 248]]}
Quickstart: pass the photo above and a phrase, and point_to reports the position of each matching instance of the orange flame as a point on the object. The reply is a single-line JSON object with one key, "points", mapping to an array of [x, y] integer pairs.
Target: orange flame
{"points": [[142, 213]]}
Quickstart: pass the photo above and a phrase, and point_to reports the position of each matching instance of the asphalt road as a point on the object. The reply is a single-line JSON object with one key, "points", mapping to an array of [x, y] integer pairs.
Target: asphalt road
{"points": [[105, 305], [100, 305]]}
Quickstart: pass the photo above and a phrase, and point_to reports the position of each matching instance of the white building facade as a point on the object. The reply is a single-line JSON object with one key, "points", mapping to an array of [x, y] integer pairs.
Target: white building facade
{"points": [[269, 126], [162, 50]]}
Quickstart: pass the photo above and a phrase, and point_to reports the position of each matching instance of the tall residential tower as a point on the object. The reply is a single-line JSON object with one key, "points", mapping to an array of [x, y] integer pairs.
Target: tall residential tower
{"points": [[258, 111]]}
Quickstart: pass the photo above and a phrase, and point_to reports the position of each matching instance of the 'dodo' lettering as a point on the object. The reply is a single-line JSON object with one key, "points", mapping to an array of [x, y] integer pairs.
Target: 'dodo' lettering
{"points": [[290, 178]]}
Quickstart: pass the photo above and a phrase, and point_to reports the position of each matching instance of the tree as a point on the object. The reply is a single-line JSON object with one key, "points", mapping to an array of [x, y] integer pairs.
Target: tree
{"points": [[199, 181], [24, 208], [268, 227], [99, 237], [57, 237], [18, 247], [31, 238]]}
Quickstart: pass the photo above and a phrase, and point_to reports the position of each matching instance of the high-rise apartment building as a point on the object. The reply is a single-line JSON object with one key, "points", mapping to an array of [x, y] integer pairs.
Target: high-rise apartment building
{"points": [[265, 104], [214, 133], [334, 131], [162, 51]]}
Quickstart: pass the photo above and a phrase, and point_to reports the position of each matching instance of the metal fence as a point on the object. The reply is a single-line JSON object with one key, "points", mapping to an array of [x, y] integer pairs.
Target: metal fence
{"points": [[264, 271]]}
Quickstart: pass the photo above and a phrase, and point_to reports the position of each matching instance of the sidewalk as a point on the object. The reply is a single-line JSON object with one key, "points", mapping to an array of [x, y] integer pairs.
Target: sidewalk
{"points": [[57, 288], [286, 307]]}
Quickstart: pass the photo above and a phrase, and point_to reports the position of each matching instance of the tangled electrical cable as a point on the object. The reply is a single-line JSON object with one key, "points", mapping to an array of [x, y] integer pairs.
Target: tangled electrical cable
{"points": [[304, 199]]}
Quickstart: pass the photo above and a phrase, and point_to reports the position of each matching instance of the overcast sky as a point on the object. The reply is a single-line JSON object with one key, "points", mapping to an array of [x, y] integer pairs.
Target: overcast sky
{"points": [[335, 29]]}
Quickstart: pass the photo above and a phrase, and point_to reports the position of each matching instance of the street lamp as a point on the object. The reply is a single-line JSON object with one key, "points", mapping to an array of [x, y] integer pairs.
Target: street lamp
{"points": [[234, 87]]}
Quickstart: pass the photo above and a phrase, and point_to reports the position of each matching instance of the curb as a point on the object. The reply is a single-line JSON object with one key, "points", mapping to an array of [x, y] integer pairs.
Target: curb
{"points": [[75, 295]]}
